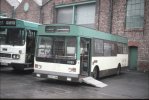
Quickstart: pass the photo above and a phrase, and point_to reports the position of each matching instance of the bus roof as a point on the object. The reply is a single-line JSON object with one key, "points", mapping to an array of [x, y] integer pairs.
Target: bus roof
{"points": [[19, 24], [77, 30]]}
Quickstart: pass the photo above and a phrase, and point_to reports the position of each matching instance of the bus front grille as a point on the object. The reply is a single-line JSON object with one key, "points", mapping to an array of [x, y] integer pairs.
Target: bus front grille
{"points": [[5, 55]]}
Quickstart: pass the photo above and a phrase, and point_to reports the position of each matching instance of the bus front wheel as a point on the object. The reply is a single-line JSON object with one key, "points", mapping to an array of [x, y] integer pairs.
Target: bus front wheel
{"points": [[95, 74]]}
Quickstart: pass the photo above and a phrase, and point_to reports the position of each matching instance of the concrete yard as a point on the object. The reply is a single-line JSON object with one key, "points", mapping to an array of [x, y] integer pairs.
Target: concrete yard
{"points": [[22, 85]]}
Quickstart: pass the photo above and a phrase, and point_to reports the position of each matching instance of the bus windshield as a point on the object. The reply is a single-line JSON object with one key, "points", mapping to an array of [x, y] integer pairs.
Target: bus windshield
{"points": [[12, 36], [56, 49]]}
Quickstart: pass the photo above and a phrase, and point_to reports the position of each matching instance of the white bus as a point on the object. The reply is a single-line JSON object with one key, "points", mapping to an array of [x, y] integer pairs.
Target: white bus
{"points": [[17, 43], [72, 52]]}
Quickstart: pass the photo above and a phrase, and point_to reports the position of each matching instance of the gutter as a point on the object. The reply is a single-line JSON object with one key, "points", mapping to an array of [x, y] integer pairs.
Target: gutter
{"points": [[111, 16], [98, 12], [13, 12], [41, 15]]}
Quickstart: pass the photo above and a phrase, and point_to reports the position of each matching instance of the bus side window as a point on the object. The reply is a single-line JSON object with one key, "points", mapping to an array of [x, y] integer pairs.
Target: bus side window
{"points": [[120, 48], [98, 47], [107, 49], [125, 49], [114, 49], [83, 46]]}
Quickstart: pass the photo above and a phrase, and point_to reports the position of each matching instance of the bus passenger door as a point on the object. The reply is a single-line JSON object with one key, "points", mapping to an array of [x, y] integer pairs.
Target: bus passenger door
{"points": [[30, 46], [85, 56]]}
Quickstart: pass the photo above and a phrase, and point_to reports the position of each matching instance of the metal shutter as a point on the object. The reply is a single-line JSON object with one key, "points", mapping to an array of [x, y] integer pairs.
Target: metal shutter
{"points": [[86, 15], [64, 15]]}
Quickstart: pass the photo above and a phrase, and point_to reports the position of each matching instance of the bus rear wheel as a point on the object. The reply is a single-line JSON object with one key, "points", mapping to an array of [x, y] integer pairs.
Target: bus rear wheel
{"points": [[95, 74]]}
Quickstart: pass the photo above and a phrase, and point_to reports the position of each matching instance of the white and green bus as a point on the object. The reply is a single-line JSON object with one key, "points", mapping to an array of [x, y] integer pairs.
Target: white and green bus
{"points": [[17, 43], [72, 52]]}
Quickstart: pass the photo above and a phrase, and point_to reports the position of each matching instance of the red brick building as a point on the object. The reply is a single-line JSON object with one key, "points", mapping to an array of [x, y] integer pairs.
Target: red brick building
{"points": [[7, 7], [129, 18], [28, 10], [31, 10]]}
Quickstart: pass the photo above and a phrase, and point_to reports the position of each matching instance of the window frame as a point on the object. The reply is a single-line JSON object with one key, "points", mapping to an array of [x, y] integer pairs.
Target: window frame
{"points": [[94, 48], [136, 16], [70, 8], [74, 7], [122, 47], [109, 43]]}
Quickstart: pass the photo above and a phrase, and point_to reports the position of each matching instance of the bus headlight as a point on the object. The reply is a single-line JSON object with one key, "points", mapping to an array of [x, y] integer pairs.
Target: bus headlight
{"points": [[38, 66], [15, 56]]}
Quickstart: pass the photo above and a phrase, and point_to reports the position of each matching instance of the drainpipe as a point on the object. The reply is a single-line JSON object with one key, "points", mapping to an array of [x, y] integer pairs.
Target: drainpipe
{"points": [[98, 13], [13, 12], [41, 15], [54, 16], [111, 16]]}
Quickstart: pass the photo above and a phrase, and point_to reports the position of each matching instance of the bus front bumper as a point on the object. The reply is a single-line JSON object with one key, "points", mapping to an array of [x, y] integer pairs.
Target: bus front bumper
{"points": [[22, 66], [57, 76], [4, 64]]}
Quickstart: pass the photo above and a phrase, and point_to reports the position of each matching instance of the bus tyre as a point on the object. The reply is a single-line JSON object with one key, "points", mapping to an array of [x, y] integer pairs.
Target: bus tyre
{"points": [[95, 74], [118, 70]]}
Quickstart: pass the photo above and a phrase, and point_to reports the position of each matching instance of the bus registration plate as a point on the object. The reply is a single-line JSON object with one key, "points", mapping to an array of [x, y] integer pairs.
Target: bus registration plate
{"points": [[52, 76]]}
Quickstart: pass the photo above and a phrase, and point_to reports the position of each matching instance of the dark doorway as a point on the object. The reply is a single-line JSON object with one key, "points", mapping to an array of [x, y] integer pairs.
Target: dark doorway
{"points": [[133, 57]]}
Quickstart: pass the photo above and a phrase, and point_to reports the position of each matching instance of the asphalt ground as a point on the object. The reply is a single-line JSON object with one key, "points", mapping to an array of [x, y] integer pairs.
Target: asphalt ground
{"points": [[22, 85]]}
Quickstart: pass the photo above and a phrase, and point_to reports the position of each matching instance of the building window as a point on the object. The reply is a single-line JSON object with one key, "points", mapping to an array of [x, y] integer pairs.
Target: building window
{"points": [[107, 49], [98, 47], [135, 14], [80, 14], [113, 49], [85, 15], [119, 48], [64, 15], [3, 14]]}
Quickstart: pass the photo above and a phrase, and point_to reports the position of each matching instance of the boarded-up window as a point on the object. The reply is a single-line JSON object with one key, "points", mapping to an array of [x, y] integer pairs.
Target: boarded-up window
{"points": [[85, 15], [64, 15], [82, 14]]}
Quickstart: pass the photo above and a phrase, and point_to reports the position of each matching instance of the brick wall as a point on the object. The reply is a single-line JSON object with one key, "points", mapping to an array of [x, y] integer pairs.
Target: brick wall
{"points": [[144, 45], [5, 7], [118, 21], [103, 13], [137, 37], [48, 13]]}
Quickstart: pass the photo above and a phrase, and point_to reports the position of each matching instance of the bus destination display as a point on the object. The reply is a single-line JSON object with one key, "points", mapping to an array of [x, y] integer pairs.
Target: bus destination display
{"points": [[7, 22], [53, 29]]}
